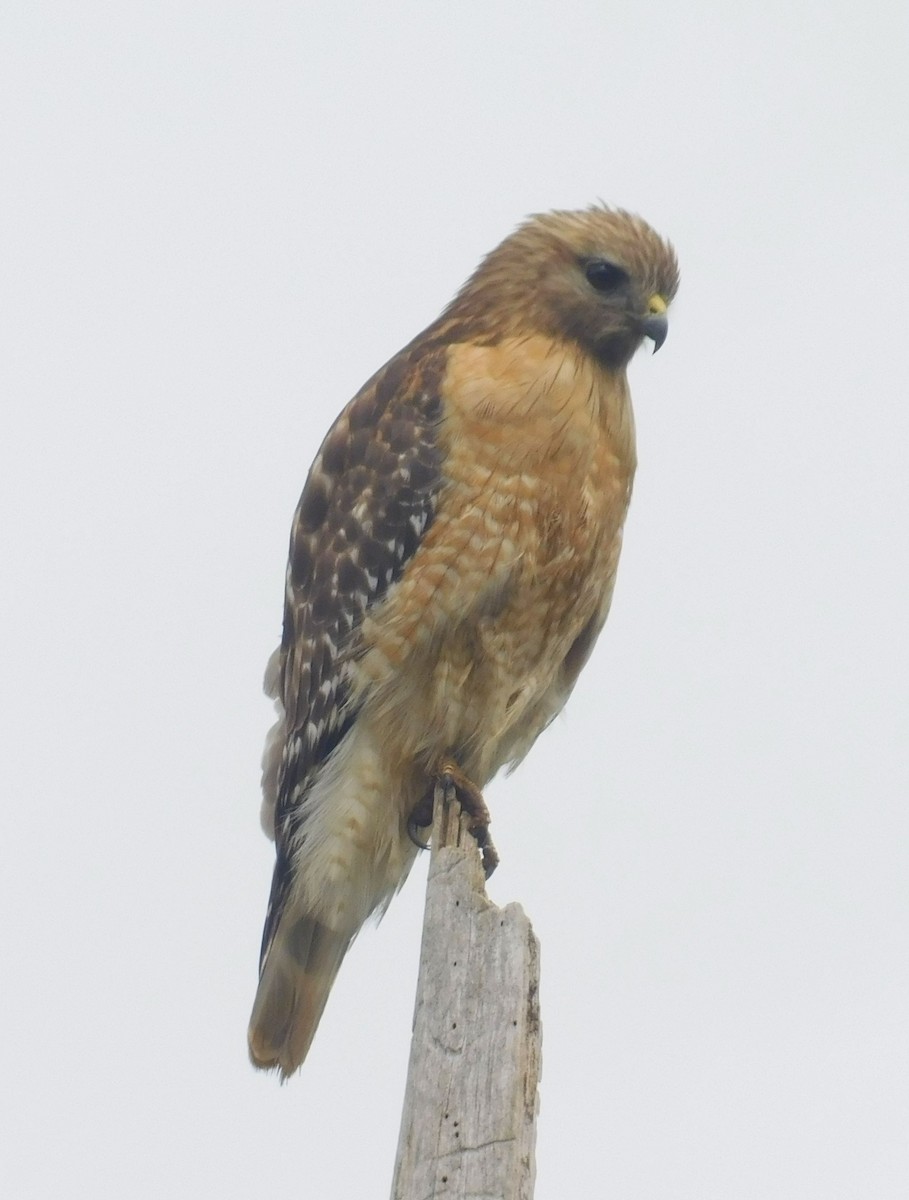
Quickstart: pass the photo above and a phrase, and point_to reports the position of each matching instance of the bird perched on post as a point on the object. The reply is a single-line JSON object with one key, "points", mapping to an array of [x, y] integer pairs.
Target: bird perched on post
{"points": [[452, 561]]}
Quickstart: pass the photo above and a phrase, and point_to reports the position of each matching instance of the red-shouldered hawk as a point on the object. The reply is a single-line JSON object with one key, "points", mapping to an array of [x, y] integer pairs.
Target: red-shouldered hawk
{"points": [[452, 561]]}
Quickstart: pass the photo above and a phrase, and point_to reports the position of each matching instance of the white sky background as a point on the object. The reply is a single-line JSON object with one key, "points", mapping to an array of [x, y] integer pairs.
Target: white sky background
{"points": [[217, 220]]}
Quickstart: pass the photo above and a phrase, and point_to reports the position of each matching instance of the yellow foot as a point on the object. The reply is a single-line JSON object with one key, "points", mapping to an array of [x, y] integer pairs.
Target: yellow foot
{"points": [[465, 791]]}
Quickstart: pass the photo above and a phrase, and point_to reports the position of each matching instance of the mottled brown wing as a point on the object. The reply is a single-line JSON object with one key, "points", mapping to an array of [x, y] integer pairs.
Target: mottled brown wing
{"points": [[368, 500]]}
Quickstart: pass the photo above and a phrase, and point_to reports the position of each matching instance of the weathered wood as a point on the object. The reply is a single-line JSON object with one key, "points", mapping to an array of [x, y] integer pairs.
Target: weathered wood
{"points": [[468, 1126]]}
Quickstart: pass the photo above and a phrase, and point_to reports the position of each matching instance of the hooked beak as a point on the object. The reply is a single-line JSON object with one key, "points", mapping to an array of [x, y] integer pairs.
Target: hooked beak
{"points": [[655, 325]]}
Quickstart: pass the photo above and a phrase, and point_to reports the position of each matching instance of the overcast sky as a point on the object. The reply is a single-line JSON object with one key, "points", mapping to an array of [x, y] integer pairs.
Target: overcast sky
{"points": [[218, 219]]}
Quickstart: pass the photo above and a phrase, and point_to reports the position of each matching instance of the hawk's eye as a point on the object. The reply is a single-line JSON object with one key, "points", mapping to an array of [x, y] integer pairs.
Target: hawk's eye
{"points": [[605, 276]]}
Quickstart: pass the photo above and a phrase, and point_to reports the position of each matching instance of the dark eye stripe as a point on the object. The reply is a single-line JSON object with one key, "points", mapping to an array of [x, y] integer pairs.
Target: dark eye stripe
{"points": [[605, 276]]}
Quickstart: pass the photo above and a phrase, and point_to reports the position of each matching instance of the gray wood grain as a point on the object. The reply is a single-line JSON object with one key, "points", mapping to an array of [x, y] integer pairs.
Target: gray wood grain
{"points": [[468, 1127]]}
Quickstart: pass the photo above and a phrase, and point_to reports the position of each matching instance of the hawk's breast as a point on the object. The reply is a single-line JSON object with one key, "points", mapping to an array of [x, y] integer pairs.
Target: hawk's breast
{"points": [[538, 459]]}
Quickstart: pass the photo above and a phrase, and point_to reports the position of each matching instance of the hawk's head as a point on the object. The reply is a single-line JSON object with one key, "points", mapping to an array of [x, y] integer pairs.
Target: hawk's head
{"points": [[599, 276]]}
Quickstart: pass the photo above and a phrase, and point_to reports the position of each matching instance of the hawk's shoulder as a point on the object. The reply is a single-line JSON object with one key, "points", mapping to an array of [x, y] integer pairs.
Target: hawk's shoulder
{"points": [[368, 500]]}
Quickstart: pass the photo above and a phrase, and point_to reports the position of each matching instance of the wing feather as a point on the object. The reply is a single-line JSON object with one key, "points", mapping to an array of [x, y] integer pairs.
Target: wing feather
{"points": [[368, 500]]}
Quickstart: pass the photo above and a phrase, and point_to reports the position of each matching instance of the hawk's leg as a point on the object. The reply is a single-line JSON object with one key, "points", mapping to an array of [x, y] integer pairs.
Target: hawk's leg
{"points": [[470, 798]]}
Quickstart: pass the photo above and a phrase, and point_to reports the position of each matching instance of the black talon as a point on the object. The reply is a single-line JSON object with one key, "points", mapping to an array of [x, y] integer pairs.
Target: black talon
{"points": [[412, 827], [420, 818]]}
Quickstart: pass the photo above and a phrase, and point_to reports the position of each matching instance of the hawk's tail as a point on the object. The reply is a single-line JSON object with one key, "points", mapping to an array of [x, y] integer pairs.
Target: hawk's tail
{"points": [[296, 978]]}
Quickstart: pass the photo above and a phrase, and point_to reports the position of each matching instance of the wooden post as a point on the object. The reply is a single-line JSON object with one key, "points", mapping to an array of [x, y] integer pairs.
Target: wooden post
{"points": [[468, 1126]]}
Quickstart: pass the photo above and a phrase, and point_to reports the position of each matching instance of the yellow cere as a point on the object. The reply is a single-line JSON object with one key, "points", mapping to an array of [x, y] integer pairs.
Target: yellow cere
{"points": [[656, 305]]}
